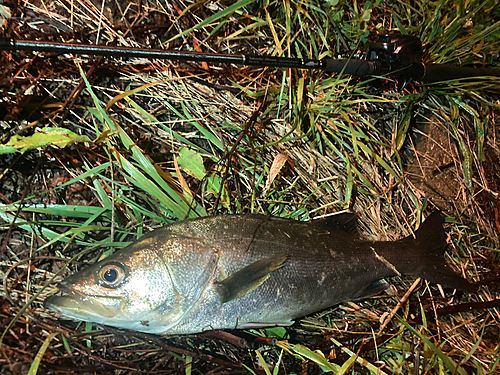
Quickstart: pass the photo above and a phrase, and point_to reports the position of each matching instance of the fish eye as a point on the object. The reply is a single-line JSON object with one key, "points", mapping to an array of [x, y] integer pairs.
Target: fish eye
{"points": [[111, 275]]}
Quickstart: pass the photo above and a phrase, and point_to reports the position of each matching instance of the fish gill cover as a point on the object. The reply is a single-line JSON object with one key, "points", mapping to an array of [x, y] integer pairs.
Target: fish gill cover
{"points": [[153, 142]]}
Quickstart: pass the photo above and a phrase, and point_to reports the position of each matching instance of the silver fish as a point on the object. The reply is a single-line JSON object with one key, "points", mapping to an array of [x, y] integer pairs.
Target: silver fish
{"points": [[245, 271]]}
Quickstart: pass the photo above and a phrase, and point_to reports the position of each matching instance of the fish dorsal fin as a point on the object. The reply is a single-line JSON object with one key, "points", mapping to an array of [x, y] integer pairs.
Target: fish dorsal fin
{"points": [[249, 277], [345, 221]]}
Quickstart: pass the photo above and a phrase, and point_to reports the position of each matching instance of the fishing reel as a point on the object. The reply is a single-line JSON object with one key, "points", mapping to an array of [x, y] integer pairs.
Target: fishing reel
{"points": [[394, 53]]}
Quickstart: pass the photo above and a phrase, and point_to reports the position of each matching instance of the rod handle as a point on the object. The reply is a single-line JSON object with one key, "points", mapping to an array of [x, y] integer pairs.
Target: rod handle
{"points": [[445, 72], [441, 72], [353, 66]]}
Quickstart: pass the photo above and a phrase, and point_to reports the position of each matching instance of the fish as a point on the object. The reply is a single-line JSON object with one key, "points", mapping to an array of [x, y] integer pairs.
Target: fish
{"points": [[246, 271]]}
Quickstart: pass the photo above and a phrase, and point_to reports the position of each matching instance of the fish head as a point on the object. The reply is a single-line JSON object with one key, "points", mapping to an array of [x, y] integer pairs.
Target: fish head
{"points": [[130, 289]]}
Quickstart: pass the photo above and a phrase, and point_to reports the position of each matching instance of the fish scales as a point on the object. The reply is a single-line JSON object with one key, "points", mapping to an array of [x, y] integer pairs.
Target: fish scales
{"points": [[244, 271], [244, 240]]}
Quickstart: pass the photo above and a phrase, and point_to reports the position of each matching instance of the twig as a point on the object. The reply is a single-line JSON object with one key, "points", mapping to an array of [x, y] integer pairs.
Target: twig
{"points": [[229, 154], [400, 303]]}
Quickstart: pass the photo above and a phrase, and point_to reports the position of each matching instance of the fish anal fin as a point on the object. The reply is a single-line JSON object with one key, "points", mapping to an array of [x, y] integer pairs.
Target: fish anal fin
{"points": [[372, 290], [249, 278]]}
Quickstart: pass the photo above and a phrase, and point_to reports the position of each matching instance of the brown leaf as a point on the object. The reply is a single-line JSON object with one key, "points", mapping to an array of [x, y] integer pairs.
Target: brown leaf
{"points": [[278, 163]]}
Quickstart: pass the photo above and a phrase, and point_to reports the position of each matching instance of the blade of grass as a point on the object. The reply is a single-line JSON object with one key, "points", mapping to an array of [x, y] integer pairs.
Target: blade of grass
{"points": [[449, 364], [216, 17], [263, 363], [306, 353], [363, 362], [176, 204], [38, 358]]}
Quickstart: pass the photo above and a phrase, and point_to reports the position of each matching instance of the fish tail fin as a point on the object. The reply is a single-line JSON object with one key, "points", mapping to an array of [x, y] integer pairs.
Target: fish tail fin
{"points": [[430, 244]]}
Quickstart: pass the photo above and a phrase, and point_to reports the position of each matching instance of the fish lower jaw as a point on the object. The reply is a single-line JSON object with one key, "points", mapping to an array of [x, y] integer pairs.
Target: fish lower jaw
{"points": [[83, 307]]}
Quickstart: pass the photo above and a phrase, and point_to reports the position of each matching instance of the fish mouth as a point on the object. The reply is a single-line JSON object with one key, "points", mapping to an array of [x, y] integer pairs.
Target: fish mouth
{"points": [[80, 306]]}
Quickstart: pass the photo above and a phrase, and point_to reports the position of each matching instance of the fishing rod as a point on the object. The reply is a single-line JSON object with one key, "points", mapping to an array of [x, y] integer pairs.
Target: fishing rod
{"points": [[388, 54]]}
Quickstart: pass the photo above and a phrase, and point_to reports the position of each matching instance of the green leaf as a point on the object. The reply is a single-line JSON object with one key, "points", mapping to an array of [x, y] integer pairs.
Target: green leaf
{"points": [[366, 15], [276, 332], [46, 137], [192, 163]]}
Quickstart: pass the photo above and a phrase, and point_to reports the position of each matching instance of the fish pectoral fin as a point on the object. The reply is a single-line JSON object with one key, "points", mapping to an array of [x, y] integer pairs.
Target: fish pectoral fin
{"points": [[249, 277]]}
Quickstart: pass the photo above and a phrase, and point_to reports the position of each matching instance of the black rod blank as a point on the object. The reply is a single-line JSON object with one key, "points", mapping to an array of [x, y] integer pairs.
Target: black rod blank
{"points": [[129, 52]]}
